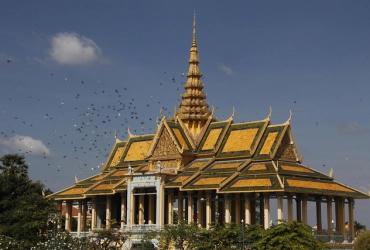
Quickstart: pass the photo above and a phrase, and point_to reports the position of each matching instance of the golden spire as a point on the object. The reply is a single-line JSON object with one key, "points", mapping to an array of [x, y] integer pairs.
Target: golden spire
{"points": [[193, 107]]}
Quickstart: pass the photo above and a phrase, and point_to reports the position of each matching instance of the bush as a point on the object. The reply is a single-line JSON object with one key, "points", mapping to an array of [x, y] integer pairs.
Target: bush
{"points": [[362, 241]]}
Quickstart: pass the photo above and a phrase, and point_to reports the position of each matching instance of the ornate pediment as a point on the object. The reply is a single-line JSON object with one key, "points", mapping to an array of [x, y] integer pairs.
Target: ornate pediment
{"points": [[165, 145]]}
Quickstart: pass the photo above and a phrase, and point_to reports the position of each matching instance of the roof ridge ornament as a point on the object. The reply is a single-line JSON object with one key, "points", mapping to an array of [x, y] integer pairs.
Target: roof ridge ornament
{"points": [[231, 118], [129, 132], [269, 116], [290, 118]]}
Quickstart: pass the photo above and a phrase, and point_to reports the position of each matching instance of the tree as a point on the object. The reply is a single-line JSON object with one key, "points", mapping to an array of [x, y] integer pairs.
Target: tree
{"points": [[362, 241], [24, 211], [222, 237], [288, 236], [359, 228], [182, 236]]}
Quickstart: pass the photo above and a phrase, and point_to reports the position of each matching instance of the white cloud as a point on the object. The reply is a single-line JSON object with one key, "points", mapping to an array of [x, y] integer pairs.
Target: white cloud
{"points": [[226, 69], [73, 49], [22, 144]]}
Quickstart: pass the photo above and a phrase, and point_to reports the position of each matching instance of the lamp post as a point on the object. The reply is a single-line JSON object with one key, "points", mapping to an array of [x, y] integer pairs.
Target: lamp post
{"points": [[242, 233]]}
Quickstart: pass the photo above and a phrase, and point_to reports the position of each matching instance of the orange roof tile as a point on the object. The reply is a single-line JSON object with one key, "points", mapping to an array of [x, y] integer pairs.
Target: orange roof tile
{"points": [[212, 139], [268, 143], [137, 150], [296, 169], [240, 140], [252, 183], [317, 185], [210, 181]]}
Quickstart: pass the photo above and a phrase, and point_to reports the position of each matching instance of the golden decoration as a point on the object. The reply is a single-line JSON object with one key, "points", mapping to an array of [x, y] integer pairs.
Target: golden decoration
{"points": [[117, 156], [318, 185], [252, 183], [296, 169], [74, 191], [268, 143], [212, 139], [226, 165], [104, 187], [180, 138], [258, 167], [137, 151], [210, 181], [240, 140], [165, 145]]}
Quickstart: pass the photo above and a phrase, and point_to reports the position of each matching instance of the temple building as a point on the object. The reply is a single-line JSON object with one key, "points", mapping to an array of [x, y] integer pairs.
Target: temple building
{"points": [[209, 171]]}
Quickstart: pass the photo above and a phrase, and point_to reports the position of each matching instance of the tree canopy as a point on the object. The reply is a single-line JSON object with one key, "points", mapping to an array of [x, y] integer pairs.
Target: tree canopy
{"points": [[24, 210], [288, 236], [362, 241]]}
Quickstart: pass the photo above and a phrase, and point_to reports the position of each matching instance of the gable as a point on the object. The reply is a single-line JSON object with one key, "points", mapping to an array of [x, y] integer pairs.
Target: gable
{"points": [[287, 150], [165, 145]]}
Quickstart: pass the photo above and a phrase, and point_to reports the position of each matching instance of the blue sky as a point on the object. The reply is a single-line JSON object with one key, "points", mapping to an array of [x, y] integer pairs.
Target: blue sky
{"points": [[76, 66]]}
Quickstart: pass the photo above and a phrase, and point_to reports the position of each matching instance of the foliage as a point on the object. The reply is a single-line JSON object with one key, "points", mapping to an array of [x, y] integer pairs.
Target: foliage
{"points": [[359, 228], [362, 241], [106, 239], [182, 236], [218, 237], [99, 240], [146, 240], [288, 236], [23, 208]]}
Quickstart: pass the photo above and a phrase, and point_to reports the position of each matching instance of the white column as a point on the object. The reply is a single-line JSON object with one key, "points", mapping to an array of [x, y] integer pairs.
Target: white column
{"points": [[227, 209], [123, 210], [208, 208], [79, 218], [280, 211], [190, 208], [108, 211], [170, 207], [267, 211], [93, 214], [141, 209]]}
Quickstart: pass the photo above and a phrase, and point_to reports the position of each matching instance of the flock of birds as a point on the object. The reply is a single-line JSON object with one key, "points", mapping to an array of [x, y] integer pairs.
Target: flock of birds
{"points": [[85, 124]]}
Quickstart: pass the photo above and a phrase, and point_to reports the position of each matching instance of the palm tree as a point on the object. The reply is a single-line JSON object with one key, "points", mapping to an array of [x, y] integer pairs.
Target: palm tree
{"points": [[14, 164], [359, 228]]}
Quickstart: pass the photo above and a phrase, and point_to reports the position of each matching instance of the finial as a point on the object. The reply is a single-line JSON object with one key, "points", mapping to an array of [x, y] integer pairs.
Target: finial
{"points": [[115, 134], [269, 116], [129, 132], [194, 31], [76, 180], [232, 115], [331, 173], [290, 118]]}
